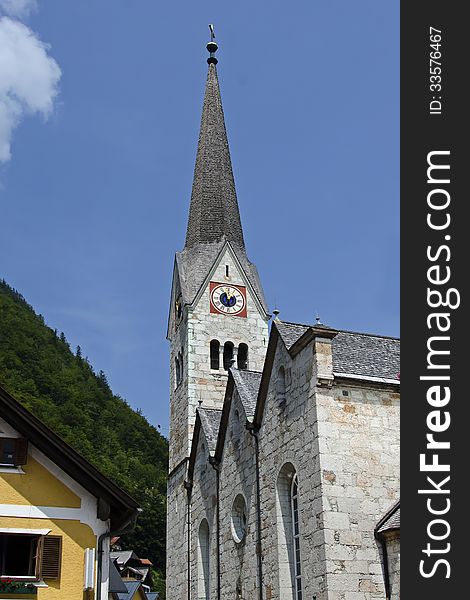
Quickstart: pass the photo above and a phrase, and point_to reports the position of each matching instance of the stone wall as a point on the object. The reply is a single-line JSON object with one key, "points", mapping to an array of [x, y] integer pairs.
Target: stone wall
{"points": [[238, 495], [393, 553], [176, 549], [358, 432], [289, 444]]}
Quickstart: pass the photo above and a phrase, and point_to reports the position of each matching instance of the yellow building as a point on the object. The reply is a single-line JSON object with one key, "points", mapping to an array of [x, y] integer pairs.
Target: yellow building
{"points": [[57, 513]]}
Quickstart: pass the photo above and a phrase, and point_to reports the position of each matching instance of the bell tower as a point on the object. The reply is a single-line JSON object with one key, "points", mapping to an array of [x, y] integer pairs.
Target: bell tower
{"points": [[218, 316]]}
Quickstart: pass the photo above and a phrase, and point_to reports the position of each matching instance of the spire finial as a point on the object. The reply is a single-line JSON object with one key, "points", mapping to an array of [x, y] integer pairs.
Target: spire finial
{"points": [[212, 47]]}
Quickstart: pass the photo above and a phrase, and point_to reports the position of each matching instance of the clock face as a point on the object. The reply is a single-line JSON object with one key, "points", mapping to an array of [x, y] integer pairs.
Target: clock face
{"points": [[228, 299]]}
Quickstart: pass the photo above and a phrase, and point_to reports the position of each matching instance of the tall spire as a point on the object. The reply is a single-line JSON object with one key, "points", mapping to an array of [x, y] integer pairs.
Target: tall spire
{"points": [[213, 213]]}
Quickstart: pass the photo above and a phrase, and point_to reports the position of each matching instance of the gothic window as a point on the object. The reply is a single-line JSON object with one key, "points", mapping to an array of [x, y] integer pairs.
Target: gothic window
{"points": [[178, 368], [215, 355], [178, 308], [236, 428], [228, 355], [242, 357], [288, 534], [281, 386], [203, 573], [177, 371]]}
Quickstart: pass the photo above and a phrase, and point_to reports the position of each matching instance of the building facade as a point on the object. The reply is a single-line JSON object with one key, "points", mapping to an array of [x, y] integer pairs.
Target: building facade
{"points": [[284, 444]]}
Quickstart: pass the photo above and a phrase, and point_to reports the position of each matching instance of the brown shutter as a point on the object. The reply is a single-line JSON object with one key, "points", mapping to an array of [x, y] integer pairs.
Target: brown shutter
{"points": [[21, 452], [51, 556]]}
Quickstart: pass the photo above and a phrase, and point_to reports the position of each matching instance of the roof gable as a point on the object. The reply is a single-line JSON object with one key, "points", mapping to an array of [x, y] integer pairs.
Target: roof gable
{"points": [[196, 266], [111, 498]]}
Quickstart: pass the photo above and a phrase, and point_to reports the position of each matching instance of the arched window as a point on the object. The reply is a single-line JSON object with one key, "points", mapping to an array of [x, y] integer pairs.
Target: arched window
{"points": [[242, 356], [288, 534], [236, 428], [215, 355], [181, 365], [281, 386], [177, 371], [228, 355], [203, 573]]}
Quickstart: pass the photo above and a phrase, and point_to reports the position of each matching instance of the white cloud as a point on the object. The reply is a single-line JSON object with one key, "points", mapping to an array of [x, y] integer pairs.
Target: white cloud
{"points": [[29, 79], [18, 8]]}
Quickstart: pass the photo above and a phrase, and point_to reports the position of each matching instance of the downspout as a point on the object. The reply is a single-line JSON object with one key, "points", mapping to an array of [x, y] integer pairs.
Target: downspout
{"points": [[216, 468], [129, 526], [254, 434], [381, 539], [189, 488]]}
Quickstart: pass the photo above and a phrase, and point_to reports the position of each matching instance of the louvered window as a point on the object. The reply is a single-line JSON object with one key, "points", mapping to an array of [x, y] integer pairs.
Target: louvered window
{"points": [[13, 451]]}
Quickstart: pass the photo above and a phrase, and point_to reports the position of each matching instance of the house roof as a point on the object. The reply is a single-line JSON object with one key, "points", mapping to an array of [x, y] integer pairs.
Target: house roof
{"points": [[122, 507], [363, 355], [131, 589], [153, 595], [391, 519], [116, 584], [122, 557]]}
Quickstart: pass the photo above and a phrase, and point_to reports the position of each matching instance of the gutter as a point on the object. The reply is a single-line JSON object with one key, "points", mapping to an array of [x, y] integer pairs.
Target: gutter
{"points": [[216, 467], [189, 488], [259, 556], [128, 526], [382, 541]]}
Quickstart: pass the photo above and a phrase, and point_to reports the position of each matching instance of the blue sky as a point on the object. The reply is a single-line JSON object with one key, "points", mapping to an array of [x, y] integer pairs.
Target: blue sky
{"points": [[95, 188]]}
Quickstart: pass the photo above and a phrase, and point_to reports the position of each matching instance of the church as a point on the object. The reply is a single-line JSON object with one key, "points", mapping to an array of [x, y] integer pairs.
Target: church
{"points": [[284, 437]]}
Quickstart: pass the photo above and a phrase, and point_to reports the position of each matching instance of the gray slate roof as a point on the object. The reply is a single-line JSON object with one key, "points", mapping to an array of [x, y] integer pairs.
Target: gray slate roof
{"points": [[210, 421], [247, 384], [214, 216], [132, 587], [116, 584], [290, 332], [360, 354], [195, 263], [367, 355], [122, 556], [391, 520], [214, 211]]}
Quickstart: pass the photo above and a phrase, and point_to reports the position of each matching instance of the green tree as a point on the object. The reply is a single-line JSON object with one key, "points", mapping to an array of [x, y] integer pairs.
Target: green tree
{"points": [[42, 372]]}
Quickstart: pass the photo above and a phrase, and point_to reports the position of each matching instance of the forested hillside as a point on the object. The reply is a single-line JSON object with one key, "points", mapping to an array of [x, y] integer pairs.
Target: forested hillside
{"points": [[60, 387]]}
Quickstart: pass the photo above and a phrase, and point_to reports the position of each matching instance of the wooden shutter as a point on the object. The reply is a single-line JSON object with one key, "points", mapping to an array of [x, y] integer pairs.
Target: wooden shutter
{"points": [[50, 556], [21, 452]]}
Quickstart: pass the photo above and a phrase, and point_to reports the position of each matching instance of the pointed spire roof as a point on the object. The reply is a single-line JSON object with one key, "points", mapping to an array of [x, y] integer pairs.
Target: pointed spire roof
{"points": [[213, 213]]}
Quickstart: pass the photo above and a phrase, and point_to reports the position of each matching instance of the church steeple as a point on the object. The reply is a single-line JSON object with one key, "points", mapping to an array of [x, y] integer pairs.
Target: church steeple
{"points": [[213, 213]]}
